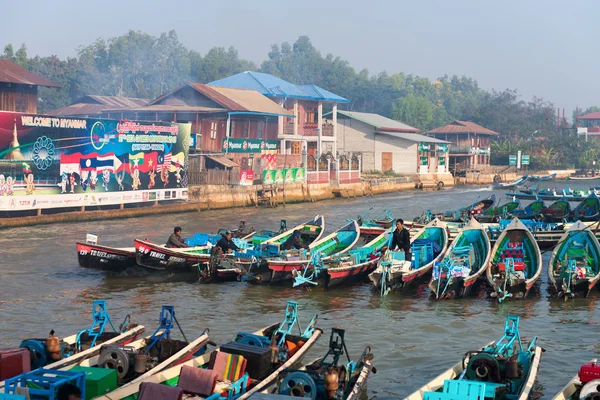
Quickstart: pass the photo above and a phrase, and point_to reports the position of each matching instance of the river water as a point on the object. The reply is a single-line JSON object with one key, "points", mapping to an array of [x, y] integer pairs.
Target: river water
{"points": [[413, 338]]}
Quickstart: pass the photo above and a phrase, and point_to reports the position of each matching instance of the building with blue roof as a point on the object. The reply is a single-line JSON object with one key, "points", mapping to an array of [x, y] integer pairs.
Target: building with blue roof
{"points": [[307, 129]]}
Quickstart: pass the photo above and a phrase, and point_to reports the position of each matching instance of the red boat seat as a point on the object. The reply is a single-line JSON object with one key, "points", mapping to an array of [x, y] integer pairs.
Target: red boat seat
{"points": [[14, 362]]}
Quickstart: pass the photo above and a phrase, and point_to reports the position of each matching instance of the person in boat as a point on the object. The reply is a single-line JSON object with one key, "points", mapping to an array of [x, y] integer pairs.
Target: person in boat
{"points": [[294, 242], [68, 391], [175, 240], [226, 243], [401, 239]]}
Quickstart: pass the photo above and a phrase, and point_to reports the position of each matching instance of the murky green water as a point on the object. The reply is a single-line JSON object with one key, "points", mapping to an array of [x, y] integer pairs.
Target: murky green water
{"points": [[413, 338]]}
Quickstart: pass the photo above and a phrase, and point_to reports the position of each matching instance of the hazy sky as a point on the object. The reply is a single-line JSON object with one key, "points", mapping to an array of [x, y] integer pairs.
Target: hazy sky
{"points": [[543, 48]]}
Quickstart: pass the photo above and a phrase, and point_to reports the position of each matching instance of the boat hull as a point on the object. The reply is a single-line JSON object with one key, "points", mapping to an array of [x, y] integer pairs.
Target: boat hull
{"points": [[353, 273], [105, 258], [159, 258]]}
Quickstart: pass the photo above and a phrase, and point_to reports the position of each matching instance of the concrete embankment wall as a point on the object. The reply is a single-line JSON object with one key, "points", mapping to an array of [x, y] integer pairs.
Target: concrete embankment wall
{"points": [[474, 178]]}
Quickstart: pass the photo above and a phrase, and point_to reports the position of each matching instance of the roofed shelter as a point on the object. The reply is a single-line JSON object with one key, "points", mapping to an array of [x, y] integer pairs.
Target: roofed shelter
{"points": [[470, 144], [19, 88], [94, 105], [588, 125], [305, 102], [386, 144]]}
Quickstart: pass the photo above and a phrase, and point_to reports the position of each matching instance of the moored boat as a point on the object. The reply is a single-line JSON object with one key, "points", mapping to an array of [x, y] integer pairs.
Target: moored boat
{"points": [[352, 266], [516, 262], [574, 267], [53, 353], [495, 213], [148, 356], [588, 209], [327, 377], [341, 241], [428, 246], [532, 211], [463, 264], [557, 211], [465, 213], [106, 258], [252, 361], [160, 258], [505, 369], [584, 385]]}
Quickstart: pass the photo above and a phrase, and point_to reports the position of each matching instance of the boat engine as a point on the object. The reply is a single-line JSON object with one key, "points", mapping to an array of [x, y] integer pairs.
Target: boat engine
{"points": [[46, 351], [128, 361], [591, 390]]}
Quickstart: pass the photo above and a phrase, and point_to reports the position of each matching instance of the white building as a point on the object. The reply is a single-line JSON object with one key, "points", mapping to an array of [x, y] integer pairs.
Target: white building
{"points": [[386, 144]]}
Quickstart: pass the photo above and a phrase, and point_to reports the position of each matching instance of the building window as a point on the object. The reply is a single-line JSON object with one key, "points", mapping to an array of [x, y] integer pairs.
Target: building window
{"points": [[246, 133], [261, 127], [311, 115], [21, 104], [213, 130], [296, 147]]}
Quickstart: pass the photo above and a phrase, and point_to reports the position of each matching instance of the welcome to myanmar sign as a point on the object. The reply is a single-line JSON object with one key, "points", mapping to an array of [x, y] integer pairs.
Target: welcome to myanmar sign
{"points": [[248, 145]]}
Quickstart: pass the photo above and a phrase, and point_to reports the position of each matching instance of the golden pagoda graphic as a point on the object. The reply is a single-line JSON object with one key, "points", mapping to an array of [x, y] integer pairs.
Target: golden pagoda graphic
{"points": [[14, 154]]}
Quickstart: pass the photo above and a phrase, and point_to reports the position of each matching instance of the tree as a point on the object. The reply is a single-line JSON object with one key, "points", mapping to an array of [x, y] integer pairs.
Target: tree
{"points": [[413, 110], [9, 53], [21, 56]]}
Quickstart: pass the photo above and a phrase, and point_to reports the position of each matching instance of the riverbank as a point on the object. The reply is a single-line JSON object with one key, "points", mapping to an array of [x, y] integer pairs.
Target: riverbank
{"points": [[211, 197]]}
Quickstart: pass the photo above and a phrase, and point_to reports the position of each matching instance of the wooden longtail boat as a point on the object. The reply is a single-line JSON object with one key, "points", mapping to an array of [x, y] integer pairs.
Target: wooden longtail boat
{"points": [[428, 246], [587, 210], [507, 185], [463, 264], [81, 346], [516, 262], [557, 211], [574, 267], [576, 389], [349, 379], [352, 266], [531, 211], [157, 352], [252, 266], [494, 214], [338, 242], [255, 360], [160, 258], [505, 369], [106, 258]]}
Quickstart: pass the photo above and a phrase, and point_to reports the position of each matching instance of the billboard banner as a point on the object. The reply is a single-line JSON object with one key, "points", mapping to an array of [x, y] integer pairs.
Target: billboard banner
{"points": [[235, 145], [53, 162], [246, 177], [289, 175]]}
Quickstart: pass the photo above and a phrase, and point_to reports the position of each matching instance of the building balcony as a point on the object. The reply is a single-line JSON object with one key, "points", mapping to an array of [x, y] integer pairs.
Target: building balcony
{"points": [[453, 149], [308, 130]]}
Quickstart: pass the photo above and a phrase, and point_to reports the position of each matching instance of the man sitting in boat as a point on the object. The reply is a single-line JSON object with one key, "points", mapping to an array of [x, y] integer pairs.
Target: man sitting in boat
{"points": [[175, 239], [401, 239], [294, 242], [226, 244]]}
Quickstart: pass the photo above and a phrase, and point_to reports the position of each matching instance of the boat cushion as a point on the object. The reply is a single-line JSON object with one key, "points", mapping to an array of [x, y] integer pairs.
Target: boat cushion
{"points": [[229, 367], [156, 391], [14, 362], [197, 380]]}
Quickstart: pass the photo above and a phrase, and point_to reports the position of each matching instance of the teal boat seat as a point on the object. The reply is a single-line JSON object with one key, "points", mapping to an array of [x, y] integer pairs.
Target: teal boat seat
{"points": [[398, 255], [464, 389], [241, 243], [360, 255]]}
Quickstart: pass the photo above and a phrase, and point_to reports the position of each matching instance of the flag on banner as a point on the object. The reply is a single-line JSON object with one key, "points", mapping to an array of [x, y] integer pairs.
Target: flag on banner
{"points": [[177, 159], [88, 163], [123, 163], [70, 163], [164, 161], [26, 168], [108, 161], [143, 161]]}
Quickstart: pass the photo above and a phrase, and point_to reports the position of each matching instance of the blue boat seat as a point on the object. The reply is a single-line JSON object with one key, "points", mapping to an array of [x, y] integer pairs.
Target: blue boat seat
{"points": [[360, 255]]}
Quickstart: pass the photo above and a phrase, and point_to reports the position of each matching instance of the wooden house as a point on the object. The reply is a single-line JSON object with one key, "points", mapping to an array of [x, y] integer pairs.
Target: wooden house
{"points": [[19, 88]]}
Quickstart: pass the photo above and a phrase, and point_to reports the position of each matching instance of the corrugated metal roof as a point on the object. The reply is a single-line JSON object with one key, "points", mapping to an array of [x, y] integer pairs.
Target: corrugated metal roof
{"points": [[14, 73], [230, 99], [463, 127], [93, 105], [272, 86], [224, 161], [169, 108], [593, 115], [378, 121], [413, 137]]}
